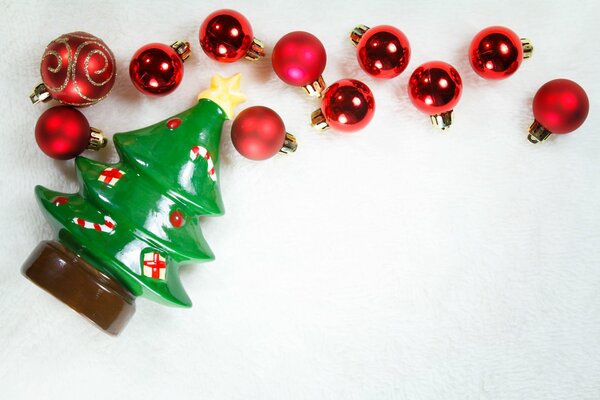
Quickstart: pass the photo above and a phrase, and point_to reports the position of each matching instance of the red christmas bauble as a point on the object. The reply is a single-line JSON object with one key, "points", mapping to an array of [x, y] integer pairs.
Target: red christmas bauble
{"points": [[561, 106], [383, 52], [435, 87], [78, 69], [226, 36], [62, 132], [348, 105], [156, 69], [258, 133], [496, 53], [299, 58]]}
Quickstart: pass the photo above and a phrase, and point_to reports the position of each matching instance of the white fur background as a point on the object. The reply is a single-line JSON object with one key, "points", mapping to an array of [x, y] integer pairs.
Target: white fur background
{"points": [[394, 263]]}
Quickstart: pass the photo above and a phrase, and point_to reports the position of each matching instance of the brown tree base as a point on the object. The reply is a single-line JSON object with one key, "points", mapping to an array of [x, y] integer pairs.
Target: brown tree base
{"points": [[71, 279]]}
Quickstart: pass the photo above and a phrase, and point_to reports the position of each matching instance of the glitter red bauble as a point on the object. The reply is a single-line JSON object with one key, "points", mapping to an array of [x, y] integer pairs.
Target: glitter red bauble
{"points": [[561, 106], [156, 69], [258, 133], [496, 53], [62, 132], [226, 36], [383, 52], [435, 87], [299, 58], [78, 69], [348, 105]]}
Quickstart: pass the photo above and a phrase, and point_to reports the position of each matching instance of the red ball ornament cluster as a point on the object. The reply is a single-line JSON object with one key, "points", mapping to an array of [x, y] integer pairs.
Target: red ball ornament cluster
{"points": [[63, 132], [559, 106], [382, 52], [299, 59], [157, 69], [226, 36], [435, 88], [77, 69], [259, 133], [497, 52], [348, 105]]}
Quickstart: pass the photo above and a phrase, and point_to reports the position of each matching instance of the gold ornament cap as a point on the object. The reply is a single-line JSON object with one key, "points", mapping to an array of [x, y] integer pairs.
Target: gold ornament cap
{"points": [[527, 48], [97, 140], [318, 121], [316, 88], [183, 49], [442, 120], [290, 145], [256, 50], [40, 93], [537, 133], [357, 33]]}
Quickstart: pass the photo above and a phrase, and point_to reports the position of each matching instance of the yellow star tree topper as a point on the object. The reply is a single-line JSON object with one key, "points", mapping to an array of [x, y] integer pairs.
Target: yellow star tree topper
{"points": [[225, 92]]}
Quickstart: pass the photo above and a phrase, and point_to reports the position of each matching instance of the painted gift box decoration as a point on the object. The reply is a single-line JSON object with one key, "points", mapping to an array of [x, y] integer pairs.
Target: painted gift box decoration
{"points": [[132, 224]]}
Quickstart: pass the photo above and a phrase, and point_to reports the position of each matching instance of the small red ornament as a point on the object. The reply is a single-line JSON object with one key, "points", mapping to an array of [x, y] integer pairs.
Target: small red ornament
{"points": [[559, 106], [497, 52], [63, 132], [77, 69], [226, 36], [299, 59], [157, 69], [382, 51], [348, 105], [435, 88], [259, 133]]}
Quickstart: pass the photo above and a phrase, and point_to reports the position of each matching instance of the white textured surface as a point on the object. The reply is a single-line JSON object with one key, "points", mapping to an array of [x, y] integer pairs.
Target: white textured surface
{"points": [[395, 263]]}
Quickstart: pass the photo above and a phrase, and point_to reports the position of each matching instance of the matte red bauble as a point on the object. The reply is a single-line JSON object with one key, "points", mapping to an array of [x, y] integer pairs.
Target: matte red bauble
{"points": [[259, 133], [226, 36], [348, 105], [157, 69], [299, 59], [559, 106], [77, 69], [435, 88], [497, 52], [382, 51], [63, 132]]}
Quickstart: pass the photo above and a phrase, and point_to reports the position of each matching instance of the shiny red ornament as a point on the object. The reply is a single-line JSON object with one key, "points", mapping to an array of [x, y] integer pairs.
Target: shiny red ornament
{"points": [[299, 59], [259, 133], [157, 69], [348, 105], [559, 106], [176, 219], [382, 51], [497, 52], [63, 132], [226, 36], [435, 88], [77, 69]]}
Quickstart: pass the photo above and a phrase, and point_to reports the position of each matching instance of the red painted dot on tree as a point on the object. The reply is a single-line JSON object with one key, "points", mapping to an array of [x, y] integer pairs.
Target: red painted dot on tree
{"points": [[177, 219], [173, 123], [60, 200]]}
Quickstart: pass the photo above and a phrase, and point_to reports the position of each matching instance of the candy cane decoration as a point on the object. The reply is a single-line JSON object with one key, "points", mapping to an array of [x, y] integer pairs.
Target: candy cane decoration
{"points": [[108, 225], [202, 152]]}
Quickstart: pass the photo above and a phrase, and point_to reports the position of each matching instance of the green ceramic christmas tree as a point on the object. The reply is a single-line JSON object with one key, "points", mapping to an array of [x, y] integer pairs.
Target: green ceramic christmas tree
{"points": [[133, 223]]}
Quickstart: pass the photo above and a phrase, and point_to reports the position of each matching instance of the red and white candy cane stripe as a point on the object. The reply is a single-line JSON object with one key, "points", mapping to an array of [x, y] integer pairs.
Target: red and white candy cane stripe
{"points": [[108, 225], [202, 152]]}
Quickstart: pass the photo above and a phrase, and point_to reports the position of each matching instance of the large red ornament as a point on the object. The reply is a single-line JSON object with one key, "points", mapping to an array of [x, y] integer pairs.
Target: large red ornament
{"points": [[435, 88], [497, 52], [77, 69], [226, 36], [157, 69], [559, 106], [382, 51], [63, 132], [348, 105], [259, 133], [299, 59]]}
